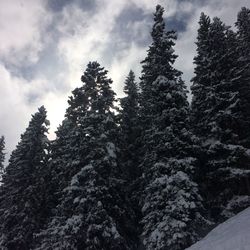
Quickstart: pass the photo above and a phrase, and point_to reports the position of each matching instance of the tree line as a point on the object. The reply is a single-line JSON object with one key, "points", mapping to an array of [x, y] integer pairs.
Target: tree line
{"points": [[151, 173]]}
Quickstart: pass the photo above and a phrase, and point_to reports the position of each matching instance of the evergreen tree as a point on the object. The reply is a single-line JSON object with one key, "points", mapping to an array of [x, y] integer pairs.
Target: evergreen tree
{"points": [[129, 143], [170, 200], [23, 201], [61, 155], [242, 65], [2, 156], [92, 212], [129, 125], [201, 89], [155, 63], [216, 114]]}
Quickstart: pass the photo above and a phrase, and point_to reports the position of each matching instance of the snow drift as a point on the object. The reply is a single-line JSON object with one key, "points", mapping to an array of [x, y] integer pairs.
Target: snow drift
{"points": [[233, 234]]}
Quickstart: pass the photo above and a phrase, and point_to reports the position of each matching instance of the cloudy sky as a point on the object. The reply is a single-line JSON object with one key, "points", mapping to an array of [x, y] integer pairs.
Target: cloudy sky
{"points": [[46, 44]]}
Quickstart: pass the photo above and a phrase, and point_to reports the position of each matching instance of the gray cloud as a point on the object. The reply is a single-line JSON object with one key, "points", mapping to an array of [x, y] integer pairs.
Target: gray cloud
{"points": [[59, 5], [132, 25], [178, 23]]}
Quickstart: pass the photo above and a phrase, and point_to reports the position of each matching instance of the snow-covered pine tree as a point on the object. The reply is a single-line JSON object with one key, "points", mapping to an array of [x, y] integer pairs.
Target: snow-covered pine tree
{"points": [[92, 213], [129, 142], [129, 127], [23, 206], [224, 174], [228, 160], [163, 42], [62, 151], [233, 95], [60, 154], [2, 156], [242, 65], [201, 89], [170, 200]]}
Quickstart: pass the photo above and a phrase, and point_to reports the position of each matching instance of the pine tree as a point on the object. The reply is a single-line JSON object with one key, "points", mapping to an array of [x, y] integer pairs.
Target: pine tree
{"points": [[216, 114], [155, 63], [23, 207], [129, 126], [92, 212], [201, 89], [2, 156], [242, 64], [61, 155], [170, 200], [129, 143], [243, 30]]}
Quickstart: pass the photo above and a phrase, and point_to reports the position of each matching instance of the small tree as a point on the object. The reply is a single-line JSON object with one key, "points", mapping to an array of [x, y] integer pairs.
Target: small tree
{"points": [[201, 88], [242, 74], [2, 156], [130, 127], [23, 207]]}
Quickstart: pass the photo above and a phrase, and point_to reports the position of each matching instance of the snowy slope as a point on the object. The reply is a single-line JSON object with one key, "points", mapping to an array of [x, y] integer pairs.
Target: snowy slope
{"points": [[233, 234]]}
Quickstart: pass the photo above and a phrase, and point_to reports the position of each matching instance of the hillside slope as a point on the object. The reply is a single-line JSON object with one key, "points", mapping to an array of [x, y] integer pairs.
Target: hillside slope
{"points": [[233, 234]]}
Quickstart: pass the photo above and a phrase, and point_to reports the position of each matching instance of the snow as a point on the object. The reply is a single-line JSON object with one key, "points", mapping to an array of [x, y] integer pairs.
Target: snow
{"points": [[111, 149], [87, 167], [74, 184], [234, 203], [73, 223], [168, 96], [74, 180], [248, 152], [239, 172], [115, 232], [156, 235], [233, 234]]}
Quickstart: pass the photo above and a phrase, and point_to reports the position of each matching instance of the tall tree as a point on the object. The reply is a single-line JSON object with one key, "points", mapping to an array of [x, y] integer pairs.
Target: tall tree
{"points": [[129, 142], [155, 63], [2, 156], [201, 88], [92, 212], [23, 202], [129, 125], [242, 65], [216, 114], [170, 200]]}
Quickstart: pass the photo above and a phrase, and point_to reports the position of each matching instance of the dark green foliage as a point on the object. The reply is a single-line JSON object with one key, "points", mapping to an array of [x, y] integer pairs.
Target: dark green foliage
{"points": [[92, 212], [242, 75], [170, 200], [129, 126], [128, 180], [159, 60], [172, 204], [2, 156], [23, 207], [61, 154], [201, 88], [129, 143], [219, 118]]}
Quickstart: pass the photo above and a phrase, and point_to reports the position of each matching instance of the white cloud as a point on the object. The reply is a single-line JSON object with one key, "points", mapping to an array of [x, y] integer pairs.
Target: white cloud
{"points": [[125, 61], [15, 111], [16, 108], [21, 23], [82, 37], [56, 105], [90, 36]]}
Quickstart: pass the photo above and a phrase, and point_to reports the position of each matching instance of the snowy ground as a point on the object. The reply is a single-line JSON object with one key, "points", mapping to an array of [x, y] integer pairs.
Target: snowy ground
{"points": [[233, 234]]}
